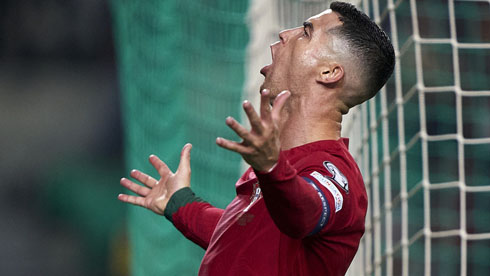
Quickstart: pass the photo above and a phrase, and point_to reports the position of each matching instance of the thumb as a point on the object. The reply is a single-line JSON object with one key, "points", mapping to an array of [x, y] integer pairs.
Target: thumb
{"points": [[185, 158], [279, 104]]}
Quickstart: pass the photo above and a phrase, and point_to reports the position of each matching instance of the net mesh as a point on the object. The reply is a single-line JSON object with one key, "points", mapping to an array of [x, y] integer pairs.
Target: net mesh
{"points": [[181, 68], [423, 143]]}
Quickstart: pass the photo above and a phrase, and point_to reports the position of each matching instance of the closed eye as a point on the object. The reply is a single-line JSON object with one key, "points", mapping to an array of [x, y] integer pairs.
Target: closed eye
{"points": [[305, 32], [307, 28]]}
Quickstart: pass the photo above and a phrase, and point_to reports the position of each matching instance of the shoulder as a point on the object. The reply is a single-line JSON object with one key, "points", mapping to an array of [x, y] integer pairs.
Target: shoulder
{"points": [[335, 163]]}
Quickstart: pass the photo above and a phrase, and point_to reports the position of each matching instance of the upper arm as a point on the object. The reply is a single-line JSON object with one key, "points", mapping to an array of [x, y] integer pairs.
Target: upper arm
{"points": [[302, 199], [334, 176]]}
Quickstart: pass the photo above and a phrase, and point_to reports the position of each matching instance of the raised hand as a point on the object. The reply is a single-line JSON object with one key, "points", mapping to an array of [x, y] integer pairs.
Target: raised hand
{"points": [[261, 146], [156, 194]]}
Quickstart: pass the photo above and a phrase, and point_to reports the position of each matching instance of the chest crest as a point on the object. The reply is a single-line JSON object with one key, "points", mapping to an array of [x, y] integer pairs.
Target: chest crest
{"points": [[246, 217]]}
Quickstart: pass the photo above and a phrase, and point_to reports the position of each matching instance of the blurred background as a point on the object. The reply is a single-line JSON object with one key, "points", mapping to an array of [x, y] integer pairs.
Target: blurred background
{"points": [[60, 140], [62, 144], [88, 89]]}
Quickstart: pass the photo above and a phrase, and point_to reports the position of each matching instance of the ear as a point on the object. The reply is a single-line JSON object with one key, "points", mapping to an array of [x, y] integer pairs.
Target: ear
{"points": [[330, 74]]}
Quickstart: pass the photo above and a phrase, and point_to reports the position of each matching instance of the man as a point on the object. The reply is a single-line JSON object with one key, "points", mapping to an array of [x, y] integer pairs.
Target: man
{"points": [[300, 208]]}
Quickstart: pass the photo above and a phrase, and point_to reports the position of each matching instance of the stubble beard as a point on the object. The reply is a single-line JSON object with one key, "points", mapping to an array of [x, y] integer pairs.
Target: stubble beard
{"points": [[274, 85]]}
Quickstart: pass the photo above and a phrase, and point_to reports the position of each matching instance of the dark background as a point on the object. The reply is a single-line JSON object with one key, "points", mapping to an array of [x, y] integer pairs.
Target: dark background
{"points": [[60, 140]]}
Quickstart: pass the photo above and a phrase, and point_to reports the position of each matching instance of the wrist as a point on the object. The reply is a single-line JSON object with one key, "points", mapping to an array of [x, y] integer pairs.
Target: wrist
{"points": [[179, 199], [280, 172], [271, 166], [270, 169]]}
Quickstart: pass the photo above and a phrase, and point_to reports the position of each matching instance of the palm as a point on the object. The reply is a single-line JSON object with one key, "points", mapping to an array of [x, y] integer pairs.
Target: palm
{"points": [[157, 199]]}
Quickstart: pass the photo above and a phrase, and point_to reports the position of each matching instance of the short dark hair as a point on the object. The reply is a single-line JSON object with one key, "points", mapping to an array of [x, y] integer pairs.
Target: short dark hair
{"points": [[374, 48]]}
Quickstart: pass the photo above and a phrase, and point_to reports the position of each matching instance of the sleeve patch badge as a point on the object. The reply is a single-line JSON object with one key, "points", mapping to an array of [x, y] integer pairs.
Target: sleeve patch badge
{"points": [[337, 195], [337, 176]]}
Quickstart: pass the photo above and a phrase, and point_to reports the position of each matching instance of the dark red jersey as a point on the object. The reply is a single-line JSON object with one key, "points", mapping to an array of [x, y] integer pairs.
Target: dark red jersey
{"points": [[305, 217]]}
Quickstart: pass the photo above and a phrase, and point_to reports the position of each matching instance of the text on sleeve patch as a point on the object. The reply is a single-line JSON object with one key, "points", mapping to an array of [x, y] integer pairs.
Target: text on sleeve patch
{"points": [[337, 195]]}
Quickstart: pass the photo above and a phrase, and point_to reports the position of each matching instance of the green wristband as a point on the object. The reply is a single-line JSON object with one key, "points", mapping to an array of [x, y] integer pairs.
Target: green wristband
{"points": [[179, 199]]}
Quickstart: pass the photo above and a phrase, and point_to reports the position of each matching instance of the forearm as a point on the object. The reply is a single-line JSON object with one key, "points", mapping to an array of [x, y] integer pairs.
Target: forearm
{"points": [[294, 204], [192, 216]]}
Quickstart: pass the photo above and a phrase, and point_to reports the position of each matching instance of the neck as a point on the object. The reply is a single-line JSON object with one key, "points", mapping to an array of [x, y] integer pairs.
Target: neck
{"points": [[309, 122]]}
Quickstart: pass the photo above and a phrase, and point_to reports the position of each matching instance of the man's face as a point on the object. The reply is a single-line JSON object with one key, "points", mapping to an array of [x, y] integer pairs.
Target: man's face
{"points": [[299, 53]]}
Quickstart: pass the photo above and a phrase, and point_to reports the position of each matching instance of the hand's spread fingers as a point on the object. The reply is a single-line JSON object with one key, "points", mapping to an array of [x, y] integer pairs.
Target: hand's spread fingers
{"points": [[160, 166], [279, 103], [133, 187], [233, 146], [135, 200], [239, 129], [185, 158], [144, 178], [254, 119], [265, 105]]}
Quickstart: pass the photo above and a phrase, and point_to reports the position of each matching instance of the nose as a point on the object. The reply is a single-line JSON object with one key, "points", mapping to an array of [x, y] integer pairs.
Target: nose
{"points": [[274, 48], [285, 35]]}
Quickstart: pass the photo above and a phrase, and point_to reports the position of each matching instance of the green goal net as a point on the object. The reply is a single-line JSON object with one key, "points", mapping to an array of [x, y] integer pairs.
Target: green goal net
{"points": [[181, 66]]}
